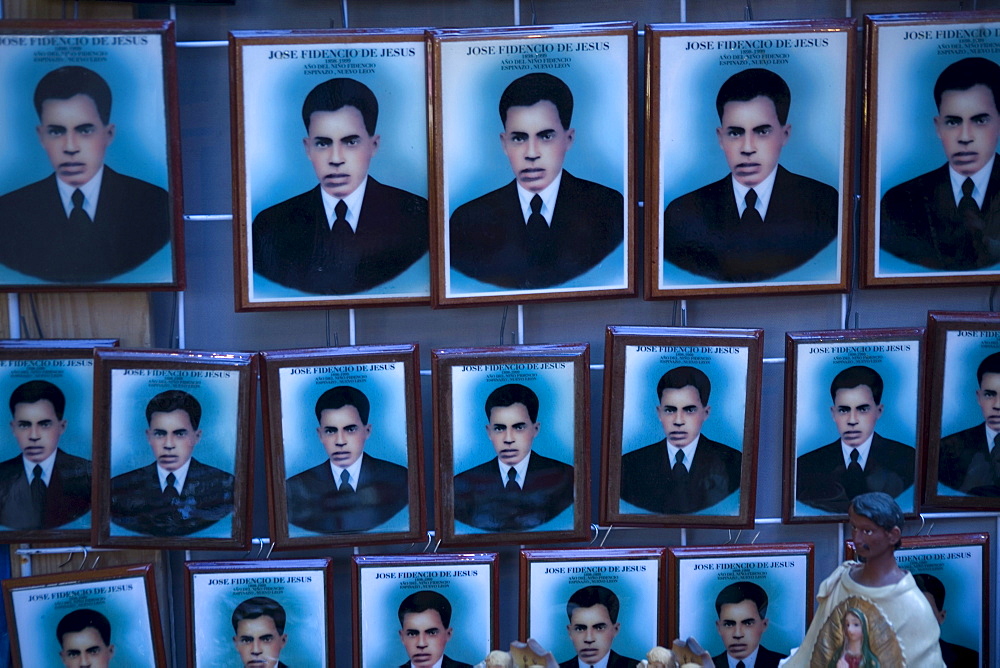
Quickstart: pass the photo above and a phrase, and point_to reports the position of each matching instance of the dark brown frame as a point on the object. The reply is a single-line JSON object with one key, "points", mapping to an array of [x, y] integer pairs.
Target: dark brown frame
{"points": [[321, 567], [287, 39], [161, 363], [577, 357], [893, 93], [51, 584], [940, 324], [878, 338], [676, 555], [711, 37], [535, 36], [349, 357], [616, 340], [168, 75], [444, 566]]}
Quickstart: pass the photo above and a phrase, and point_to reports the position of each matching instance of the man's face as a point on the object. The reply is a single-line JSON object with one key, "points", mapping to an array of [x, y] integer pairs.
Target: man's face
{"points": [[870, 540], [752, 138], [258, 642], [340, 149], [681, 413], [37, 429], [855, 413], [343, 435], [74, 137], [592, 632], [938, 614], [968, 126], [424, 637], [172, 438], [988, 397], [535, 143], [511, 431], [85, 649], [741, 627]]}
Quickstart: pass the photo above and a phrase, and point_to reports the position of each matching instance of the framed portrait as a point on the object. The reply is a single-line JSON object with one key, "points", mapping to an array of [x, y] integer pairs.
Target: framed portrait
{"points": [[680, 426], [512, 443], [344, 453], [272, 612], [568, 594], [735, 200], [329, 168], [860, 390], [90, 176], [963, 411], [953, 572], [45, 457], [102, 614], [549, 212], [442, 607], [932, 209], [153, 485], [714, 590]]}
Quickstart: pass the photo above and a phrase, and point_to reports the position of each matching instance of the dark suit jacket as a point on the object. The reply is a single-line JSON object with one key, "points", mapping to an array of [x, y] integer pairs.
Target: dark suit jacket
{"points": [[615, 660], [489, 237], [138, 504], [293, 244], [132, 222], [964, 463], [481, 500], [703, 234], [446, 662], [315, 504], [765, 659], [648, 482], [67, 496], [920, 223], [820, 473], [957, 656]]}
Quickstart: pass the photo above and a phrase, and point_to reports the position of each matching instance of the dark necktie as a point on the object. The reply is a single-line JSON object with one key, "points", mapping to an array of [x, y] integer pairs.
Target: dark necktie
{"points": [[854, 481], [740, 664], [679, 470], [967, 204], [512, 485], [995, 458], [78, 215], [37, 488], [345, 483], [341, 228], [751, 216], [170, 491]]}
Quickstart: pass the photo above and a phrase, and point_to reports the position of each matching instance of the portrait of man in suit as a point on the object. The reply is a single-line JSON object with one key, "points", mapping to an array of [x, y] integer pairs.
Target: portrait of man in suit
{"points": [[593, 625], [176, 495], [955, 656], [84, 637], [685, 471], [760, 220], [519, 489], [425, 629], [742, 611], [861, 460], [43, 487], [85, 222], [350, 490], [969, 460], [350, 233], [546, 226], [949, 219], [259, 628]]}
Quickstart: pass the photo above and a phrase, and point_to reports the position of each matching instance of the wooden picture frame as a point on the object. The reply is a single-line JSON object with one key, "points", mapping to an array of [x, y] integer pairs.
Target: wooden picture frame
{"points": [[838, 372], [366, 390], [584, 247], [464, 587], [126, 233], [252, 593], [121, 599], [960, 474], [154, 396], [640, 486], [631, 581], [913, 229], [47, 424], [697, 243], [700, 577], [290, 250], [496, 390]]}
